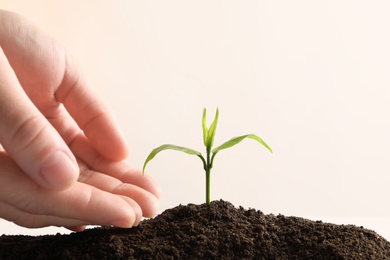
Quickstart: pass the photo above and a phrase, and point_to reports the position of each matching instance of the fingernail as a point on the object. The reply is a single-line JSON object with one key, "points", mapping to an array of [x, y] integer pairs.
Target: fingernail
{"points": [[59, 171]]}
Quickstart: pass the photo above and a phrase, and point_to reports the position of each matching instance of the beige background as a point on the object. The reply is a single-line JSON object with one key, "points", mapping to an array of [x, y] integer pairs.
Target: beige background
{"points": [[310, 77]]}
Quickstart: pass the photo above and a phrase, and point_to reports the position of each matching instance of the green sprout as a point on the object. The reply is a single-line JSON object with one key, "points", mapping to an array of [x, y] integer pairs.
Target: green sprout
{"points": [[208, 140]]}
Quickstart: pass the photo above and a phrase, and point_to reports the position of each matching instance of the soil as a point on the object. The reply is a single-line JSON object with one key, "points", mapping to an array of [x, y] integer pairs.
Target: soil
{"points": [[219, 231]]}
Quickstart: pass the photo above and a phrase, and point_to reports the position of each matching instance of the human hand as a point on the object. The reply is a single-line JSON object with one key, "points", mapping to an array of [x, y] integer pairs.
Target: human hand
{"points": [[52, 122], [119, 198]]}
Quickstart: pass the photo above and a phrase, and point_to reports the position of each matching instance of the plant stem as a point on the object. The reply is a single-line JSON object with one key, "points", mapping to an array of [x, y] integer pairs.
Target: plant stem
{"points": [[208, 186], [208, 171]]}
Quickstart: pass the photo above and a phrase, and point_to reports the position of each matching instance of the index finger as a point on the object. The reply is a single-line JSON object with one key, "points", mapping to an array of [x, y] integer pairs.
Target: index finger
{"points": [[90, 113]]}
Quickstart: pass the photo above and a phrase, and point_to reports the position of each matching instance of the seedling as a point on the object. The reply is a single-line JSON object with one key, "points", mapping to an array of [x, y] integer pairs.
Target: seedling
{"points": [[208, 140]]}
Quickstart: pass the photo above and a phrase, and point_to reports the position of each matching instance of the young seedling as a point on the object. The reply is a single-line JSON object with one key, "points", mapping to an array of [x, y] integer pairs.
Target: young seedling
{"points": [[208, 140]]}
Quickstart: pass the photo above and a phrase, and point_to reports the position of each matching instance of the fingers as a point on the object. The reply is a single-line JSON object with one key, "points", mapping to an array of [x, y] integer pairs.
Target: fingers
{"points": [[118, 170], [50, 77], [145, 201], [134, 176], [29, 220], [81, 202], [92, 116], [116, 177], [27, 136]]}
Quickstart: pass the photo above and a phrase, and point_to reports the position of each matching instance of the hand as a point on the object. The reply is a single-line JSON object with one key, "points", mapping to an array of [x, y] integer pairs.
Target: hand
{"points": [[60, 148], [120, 198]]}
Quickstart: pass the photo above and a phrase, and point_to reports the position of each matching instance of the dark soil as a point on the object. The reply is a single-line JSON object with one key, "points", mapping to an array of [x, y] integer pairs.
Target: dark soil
{"points": [[219, 231]]}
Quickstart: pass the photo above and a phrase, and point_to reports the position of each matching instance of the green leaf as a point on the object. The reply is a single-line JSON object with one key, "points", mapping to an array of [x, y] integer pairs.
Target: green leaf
{"points": [[238, 139], [163, 147], [211, 132], [204, 126]]}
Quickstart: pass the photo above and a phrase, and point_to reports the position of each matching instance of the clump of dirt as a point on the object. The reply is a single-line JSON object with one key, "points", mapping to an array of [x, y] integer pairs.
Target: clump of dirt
{"points": [[219, 231]]}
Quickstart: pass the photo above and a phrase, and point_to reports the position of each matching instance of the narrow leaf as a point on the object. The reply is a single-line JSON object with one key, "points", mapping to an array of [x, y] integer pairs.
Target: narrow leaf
{"points": [[211, 132], [238, 139], [204, 126], [169, 147]]}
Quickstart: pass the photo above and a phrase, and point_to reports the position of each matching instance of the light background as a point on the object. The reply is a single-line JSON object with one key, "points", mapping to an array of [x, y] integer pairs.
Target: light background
{"points": [[310, 77]]}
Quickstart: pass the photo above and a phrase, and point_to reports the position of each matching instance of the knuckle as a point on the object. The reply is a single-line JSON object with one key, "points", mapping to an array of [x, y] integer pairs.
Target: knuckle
{"points": [[26, 134]]}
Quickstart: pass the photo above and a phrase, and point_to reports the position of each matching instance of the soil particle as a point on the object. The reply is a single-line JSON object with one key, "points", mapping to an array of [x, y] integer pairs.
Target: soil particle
{"points": [[218, 231]]}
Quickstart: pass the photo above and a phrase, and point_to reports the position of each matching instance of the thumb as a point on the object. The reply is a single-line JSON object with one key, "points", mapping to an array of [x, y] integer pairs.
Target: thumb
{"points": [[29, 138]]}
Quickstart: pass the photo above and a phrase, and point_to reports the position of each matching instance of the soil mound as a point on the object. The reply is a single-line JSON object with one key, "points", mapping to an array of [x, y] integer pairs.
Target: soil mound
{"points": [[220, 231]]}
